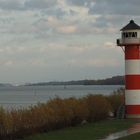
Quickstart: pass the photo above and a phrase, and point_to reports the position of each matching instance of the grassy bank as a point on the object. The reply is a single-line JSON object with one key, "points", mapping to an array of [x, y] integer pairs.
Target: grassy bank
{"points": [[131, 137], [91, 131]]}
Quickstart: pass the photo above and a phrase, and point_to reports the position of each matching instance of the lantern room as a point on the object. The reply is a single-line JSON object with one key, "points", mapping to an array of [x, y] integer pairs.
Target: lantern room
{"points": [[130, 34]]}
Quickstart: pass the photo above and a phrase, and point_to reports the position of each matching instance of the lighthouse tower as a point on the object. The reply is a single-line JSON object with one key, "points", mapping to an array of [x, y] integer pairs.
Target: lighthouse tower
{"points": [[130, 43]]}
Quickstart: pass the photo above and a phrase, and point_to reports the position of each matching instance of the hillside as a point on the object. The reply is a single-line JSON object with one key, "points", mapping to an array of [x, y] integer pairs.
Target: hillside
{"points": [[116, 80]]}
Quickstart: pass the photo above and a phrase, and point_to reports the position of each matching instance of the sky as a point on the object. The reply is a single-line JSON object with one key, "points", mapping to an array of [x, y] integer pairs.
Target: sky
{"points": [[62, 40]]}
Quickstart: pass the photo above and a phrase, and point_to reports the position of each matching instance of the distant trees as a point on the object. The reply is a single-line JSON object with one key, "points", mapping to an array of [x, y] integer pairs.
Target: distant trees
{"points": [[116, 80]]}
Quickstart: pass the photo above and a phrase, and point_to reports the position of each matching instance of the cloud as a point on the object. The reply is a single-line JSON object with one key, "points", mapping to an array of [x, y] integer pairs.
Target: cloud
{"points": [[101, 63], [53, 18], [55, 25], [56, 11], [109, 44], [40, 4], [79, 2], [111, 7], [11, 4], [67, 29], [47, 39], [117, 7], [6, 63], [27, 4]]}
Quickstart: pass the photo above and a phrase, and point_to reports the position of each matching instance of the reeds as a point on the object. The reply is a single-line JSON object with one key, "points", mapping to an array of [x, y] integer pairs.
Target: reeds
{"points": [[55, 114], [116, 99]]}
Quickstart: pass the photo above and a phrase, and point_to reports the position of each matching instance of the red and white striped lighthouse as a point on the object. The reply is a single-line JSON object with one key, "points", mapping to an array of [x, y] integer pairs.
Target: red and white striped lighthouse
{"points": [[130, 42]]}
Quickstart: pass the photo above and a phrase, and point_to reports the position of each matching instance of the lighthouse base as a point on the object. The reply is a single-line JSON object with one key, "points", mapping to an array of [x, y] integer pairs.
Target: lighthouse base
{"points": [[132, 111], [133, 116]]}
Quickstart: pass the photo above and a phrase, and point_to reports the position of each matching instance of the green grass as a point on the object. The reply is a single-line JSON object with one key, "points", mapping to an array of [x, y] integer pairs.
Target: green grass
{"points": [[91, 131], [131, 137]]}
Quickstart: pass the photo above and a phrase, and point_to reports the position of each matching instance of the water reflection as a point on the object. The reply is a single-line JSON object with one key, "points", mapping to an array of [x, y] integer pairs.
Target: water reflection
{"points": [[134, 129]]}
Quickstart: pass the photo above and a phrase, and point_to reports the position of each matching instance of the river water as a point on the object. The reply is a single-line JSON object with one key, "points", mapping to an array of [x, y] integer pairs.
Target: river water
{"points": [[23, 96]]}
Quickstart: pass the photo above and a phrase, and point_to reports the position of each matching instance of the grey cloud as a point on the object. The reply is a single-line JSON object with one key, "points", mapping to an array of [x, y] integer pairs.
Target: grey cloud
{"points": [[118, 7], [26, 4], [11, 5], [40, 4], [6, 20], [53, 12], [101, 22], [72, 12], [79, 2], [105, 21]]}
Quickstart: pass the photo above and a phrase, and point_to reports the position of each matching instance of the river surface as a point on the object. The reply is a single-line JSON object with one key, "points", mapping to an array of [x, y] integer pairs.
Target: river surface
{"points": [[23, 96]]}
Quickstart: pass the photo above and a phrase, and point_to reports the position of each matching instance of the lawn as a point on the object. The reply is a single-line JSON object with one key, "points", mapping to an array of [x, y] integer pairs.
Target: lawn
{"points": [[90, 131], [131, 137]]}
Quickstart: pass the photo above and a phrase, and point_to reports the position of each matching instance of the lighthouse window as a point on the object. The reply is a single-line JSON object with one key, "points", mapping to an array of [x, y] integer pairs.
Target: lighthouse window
{"points": [[134, 34], [129, 34], [123, 35], [126, 35]]}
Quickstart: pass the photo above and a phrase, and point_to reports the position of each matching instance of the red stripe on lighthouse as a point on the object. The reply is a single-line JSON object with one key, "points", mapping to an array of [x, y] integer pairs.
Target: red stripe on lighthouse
{"points": [[132, 82], [132, 52], [132, 109]]}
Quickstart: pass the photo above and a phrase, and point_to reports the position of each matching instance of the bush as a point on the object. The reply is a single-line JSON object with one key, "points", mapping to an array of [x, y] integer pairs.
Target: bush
{"points": [[116, 99], [98, 106]]}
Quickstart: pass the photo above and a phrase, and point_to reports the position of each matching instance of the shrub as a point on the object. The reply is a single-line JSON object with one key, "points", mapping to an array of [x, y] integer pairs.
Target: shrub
{"points": [[116, 99], [98, 107]]}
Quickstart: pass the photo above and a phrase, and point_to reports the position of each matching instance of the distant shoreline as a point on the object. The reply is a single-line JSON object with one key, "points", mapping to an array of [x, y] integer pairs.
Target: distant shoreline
{"points": [[116, 80]]}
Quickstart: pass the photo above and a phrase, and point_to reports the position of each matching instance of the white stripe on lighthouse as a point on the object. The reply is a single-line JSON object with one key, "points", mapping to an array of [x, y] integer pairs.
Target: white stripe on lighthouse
{"points": [[132, 67], [132, 97]]}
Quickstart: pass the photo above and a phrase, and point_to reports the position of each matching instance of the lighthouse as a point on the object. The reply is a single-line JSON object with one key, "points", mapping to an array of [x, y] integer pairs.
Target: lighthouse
{"points": [[130, 43]]}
